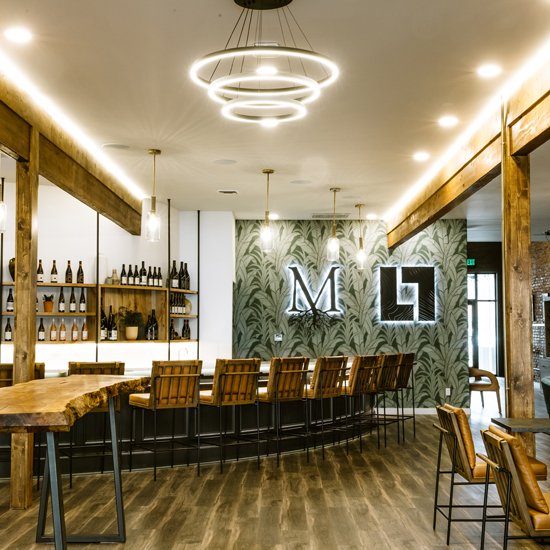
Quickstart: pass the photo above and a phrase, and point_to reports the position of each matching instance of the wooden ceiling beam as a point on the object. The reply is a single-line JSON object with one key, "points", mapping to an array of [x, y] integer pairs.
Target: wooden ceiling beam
{"points": [[478, 161]]}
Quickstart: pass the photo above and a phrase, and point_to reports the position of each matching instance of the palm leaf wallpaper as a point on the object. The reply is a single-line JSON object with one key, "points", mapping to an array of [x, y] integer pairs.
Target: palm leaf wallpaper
{"points": [[264, 288]]}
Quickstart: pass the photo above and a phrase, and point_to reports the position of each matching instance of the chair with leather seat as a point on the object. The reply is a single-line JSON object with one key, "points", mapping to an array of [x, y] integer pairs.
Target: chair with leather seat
{"points": [[405, 381], [364, 377], [521, 498], [235, 384], [174, 385], [389, 375], [480, 386], [286, 383], [455, 429], [327, 382]]}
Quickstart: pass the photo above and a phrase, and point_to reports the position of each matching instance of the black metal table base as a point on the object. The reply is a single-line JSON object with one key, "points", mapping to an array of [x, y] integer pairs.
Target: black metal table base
{"points": [[52, 484]]}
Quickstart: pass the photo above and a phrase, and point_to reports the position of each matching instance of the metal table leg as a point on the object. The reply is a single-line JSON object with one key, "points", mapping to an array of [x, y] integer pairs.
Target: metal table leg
{"points": [[52, 484]]}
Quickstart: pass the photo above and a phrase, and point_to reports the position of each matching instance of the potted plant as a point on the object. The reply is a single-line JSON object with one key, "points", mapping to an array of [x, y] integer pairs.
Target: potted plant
{"points": [[48, 303], [131, 321]]}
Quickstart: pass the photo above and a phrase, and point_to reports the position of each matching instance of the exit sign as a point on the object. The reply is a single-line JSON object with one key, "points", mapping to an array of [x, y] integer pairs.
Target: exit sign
{"points": [[470, 261]]}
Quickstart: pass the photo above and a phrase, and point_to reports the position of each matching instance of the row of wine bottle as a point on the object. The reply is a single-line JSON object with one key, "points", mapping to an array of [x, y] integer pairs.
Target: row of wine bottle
{"points": [[54, 276], [186, 332], [74, 335], [60, 303], [108, 327], [152, 327], [141, 277], [177, 304], [180, 279]]}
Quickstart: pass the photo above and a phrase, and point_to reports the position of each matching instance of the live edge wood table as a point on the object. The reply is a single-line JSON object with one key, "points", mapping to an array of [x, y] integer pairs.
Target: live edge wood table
{"points": [[53, 405], [524, 425]]}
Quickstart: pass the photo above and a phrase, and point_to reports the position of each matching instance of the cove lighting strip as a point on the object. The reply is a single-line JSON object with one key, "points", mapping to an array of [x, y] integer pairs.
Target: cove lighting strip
{"points": [[541, 57], [16, 76]]}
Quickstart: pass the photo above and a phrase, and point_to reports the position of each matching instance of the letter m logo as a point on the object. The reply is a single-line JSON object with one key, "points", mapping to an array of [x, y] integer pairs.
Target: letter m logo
{"points": [[306, 300]]}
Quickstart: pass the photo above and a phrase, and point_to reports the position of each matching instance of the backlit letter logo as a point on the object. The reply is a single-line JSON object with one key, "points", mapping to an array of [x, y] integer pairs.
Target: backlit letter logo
{"points": [[397, 302], [304, 301]]}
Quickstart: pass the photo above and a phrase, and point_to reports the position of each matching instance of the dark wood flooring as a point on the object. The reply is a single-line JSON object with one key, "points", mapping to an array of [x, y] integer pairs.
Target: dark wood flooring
{"points": [[377, 500]]}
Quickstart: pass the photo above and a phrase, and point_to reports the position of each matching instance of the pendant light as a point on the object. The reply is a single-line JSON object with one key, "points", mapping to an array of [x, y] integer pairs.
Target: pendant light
{"points": [[267, 233], [153, 220], [333, 248], [361, 256], [3, 211]]}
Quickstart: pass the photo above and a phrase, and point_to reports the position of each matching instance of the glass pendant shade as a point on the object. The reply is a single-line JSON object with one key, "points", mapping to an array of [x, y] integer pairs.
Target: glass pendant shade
{"points": [[361, 259], [153, 223], [333, 249], [266, 239], [3, 216]]}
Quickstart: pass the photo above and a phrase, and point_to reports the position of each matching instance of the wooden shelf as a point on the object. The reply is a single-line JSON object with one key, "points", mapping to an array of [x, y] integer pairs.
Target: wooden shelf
{"points": [[49, 343], [134, 342], [53, 314], [183, 316], [58, 285], [134, 287], [181, 340], [181, 291]]}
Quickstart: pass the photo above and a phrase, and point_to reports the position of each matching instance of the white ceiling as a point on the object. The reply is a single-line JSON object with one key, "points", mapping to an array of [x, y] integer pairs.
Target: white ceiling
{"points": [[120, 70]]}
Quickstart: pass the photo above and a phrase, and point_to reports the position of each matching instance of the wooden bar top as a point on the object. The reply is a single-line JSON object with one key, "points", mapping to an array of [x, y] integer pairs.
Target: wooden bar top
{"points": [[54, 404]]}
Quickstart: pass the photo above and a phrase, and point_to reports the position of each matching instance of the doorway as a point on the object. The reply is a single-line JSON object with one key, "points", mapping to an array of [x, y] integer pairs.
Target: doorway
{"points": [[482, 321]]}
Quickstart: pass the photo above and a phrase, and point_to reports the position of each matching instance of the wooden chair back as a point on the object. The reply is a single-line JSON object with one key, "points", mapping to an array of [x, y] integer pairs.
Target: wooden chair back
{"points": [[449, 422], [287, 378], [115, 368], [477, 385], [406, 364], [498, 451], [364, 375], [176, 383], [390, 371], [330, 373], [6, 373], [235, 381]]}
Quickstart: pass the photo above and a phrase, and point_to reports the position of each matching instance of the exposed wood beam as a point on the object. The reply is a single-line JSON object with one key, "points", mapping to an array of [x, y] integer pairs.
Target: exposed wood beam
{"points": [[473, 165], [14, 134]]}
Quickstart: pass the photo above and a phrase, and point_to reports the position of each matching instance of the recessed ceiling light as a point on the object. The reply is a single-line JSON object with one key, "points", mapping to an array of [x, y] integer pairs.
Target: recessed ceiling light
{"points": [[224, 161], [266, 70], [371, 216], [448, 121], [269, 122], [273, 216], [18, 35], [421, 156], [489, 71], [351, 197], [300, 182], [115, 146], [227, 192]]}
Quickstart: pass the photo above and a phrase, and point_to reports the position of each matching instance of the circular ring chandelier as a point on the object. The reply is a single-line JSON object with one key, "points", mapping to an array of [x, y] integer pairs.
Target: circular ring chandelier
{"points": [[264, 81]]}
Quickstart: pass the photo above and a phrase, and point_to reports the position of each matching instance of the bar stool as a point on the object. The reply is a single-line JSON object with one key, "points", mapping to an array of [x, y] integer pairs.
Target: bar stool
{"points": [[388, 383], [175, 385], [327, 382], [235, 384], [287, 381], [115, 368], [363, 380], [404, 377]]}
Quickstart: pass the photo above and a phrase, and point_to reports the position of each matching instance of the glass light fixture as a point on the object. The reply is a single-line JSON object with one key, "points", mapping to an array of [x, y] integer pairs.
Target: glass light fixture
{"points": [[333, 247], [153, 220], [3, 211], [361, 256], [266, 235]]}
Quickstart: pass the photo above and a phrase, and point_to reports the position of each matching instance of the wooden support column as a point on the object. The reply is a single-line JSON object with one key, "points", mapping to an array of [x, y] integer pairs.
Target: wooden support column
{"points": [[26, 241], [516, 258]]}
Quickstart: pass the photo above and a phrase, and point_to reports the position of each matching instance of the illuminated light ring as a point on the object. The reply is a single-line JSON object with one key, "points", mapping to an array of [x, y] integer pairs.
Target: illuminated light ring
{"points": [[264, 50], [262, 103], [307, 86]]}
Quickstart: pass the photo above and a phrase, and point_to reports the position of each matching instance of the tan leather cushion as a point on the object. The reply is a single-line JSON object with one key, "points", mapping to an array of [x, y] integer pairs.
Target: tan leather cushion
{"points": [[541, 521], [466, 434], [528, 482], [139, 399], [480, 469], [206, 397], [263, 394]]}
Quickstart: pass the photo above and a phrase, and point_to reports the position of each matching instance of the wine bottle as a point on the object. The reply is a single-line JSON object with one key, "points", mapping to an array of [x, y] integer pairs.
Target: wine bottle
{"points": [[150, 281], [155, 277], [41, 332], [109, 322], [72, 302], [130, 275], [8, 332], [74, 335], [53, 332], [182, 304], [187, 279], [154, 327], [40, 273], [123, 276], [80, 274], [84, 331], [174, 276], [69, 273], [82, 304], [136, 277], [9, 302], [62, 331], [61, 306], [172, 330], [159, 278], [113, 327], [53, 274], [181, 277], [143, 275], [103, 325], [148, 328], [188, 331], [184, 331]]}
